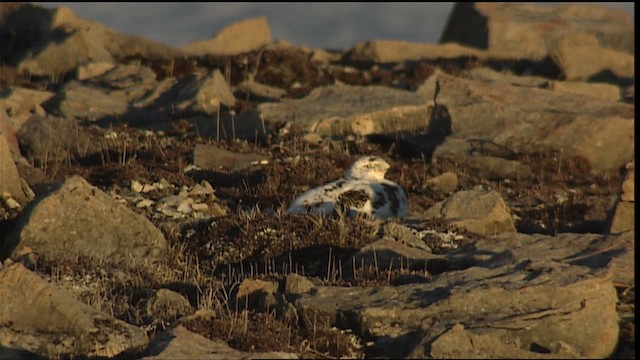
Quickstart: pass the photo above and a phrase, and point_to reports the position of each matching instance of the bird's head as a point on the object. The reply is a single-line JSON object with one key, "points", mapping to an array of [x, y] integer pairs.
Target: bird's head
{"points": [[368, 167]]}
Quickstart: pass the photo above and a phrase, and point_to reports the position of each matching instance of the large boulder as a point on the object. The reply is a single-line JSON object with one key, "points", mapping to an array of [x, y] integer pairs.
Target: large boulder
{"points": [[584, 41], [44, 139], [528, 120], [393, 51], [343, 109], [477, 210], [76, 219], [39, 319]]}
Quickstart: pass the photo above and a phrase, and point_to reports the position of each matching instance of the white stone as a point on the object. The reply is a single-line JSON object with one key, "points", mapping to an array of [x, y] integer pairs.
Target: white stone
{"points": [[200, 207]]}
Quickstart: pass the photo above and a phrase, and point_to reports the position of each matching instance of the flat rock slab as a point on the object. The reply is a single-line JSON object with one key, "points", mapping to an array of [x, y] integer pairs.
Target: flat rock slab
{"points": [[85, 102], [537, 295], [343, 109], [180, 343], [43, 320], [392, 51], [78, 219], [237, 38], [599, 90], [523, 31], [214, 158], [526, 120], [580, 57]]}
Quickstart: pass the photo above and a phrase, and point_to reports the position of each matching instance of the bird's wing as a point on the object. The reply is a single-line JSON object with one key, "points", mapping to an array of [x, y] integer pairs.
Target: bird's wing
{"points": [[389, 200], [318, 199], [353, 199]]}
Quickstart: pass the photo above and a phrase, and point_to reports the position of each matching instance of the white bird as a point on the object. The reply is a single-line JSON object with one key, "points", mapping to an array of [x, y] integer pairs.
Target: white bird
{"points": [[363, 190]]}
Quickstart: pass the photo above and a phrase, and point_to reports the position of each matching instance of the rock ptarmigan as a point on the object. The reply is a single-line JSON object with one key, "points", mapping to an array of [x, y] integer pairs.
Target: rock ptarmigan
{"points": [[363, 190]]}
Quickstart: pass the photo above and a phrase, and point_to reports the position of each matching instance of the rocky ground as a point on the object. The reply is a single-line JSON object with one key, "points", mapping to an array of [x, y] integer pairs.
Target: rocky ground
{"points": [[144, 191]]}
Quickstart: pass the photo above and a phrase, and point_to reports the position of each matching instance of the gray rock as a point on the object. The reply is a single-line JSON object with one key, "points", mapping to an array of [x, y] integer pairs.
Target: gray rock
{"points": [[204, 93], [9, 134], [202, 189], [250, 291], [167, 305], [495, 168], [93, 69], [260, 90], [43, 320], [490, 75], [581, 57], [597, 90], [624, 214], [45, 139], [20, 104], [213, 158], [623, 263], [525, 120], [77, 219], [342, 110], [624, 218], [62, 42], [477, 210], [247, 126], [388, 254], [234, 39], [262, 296], [461, 343], [125, 76], [9, 202], [252, 286], [83, 102], [179, 343], [525, 291], [400, 247], [628, 185], [393, 51], [200, 207], [446, 182], [519, 31], [196, 93], [295, 284], [10, 182]]}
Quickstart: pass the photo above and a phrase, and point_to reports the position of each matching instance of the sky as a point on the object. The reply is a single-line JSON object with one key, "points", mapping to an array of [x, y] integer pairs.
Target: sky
{"points": [[322, 25]]}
